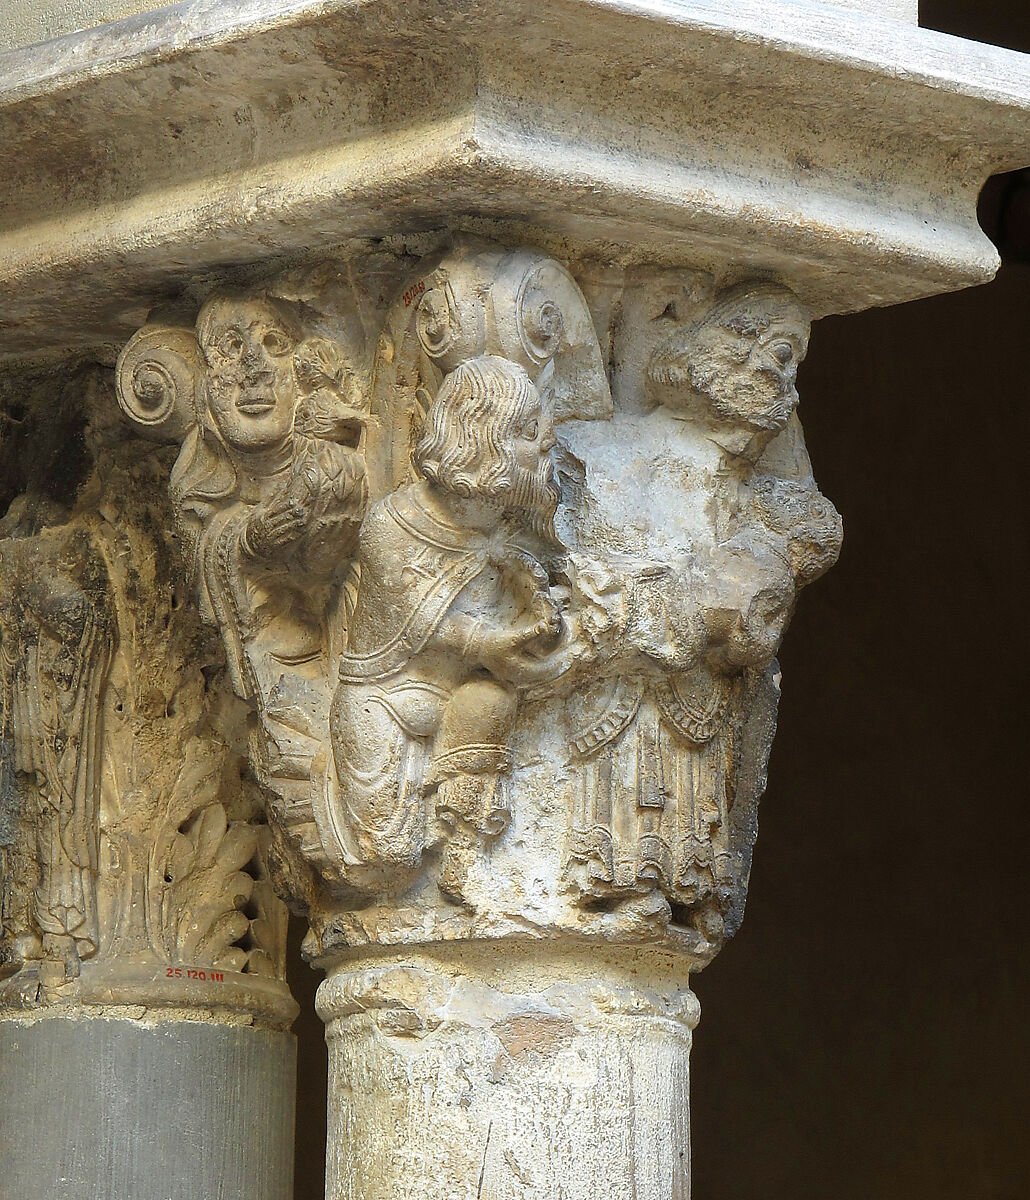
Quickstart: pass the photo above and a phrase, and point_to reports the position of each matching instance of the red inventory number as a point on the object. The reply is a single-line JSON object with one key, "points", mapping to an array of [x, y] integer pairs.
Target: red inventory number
{"points": [[414, 292], [193, 973]]}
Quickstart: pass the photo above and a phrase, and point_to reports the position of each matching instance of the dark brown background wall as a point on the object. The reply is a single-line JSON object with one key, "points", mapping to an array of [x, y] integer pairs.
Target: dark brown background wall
{"points": [[865, 1035]]}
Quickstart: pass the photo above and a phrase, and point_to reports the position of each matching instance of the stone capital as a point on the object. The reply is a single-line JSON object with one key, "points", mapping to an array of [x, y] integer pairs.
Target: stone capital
{"points": [[443, 503], [503, 604], [500, 548]]}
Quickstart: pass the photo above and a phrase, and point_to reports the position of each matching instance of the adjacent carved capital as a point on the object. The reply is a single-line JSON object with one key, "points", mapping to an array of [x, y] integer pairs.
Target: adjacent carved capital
{"points": [[500, 572], [133, 851]]}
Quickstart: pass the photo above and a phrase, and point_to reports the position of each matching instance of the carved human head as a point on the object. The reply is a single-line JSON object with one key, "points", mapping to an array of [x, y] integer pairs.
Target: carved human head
{"points": [[250, 383], [488, 435], [736, 367]]}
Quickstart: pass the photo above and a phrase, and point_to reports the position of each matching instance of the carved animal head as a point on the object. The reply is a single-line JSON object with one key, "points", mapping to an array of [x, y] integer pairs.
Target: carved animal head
{"points": [[737, 366], [809, 523], [488, 435]]}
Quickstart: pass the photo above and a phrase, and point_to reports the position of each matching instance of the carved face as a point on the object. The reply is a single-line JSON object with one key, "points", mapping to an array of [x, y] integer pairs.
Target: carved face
{"points": [[535, 489], [740, 362], [489, 435], [252, 392]]}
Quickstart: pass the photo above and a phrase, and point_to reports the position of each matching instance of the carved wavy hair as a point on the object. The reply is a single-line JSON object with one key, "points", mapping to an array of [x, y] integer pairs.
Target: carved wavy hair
{"points": [[465, 445], [748, 308]]}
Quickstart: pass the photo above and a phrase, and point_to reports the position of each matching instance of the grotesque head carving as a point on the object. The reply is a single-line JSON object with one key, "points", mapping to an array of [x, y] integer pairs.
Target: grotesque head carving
{"points": [[489, 436], [809, 524], [248, 344], [736, 367]]}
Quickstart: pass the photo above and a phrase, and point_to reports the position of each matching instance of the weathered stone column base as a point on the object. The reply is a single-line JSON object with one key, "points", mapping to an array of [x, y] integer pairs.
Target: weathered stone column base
{"points": [[508, 1071], [170, 1110]]}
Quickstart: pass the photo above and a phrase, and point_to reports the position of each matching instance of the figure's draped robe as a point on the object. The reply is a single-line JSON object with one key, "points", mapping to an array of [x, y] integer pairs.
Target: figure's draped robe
{"points": [[657, 788], [59, 640], [412, 569]]}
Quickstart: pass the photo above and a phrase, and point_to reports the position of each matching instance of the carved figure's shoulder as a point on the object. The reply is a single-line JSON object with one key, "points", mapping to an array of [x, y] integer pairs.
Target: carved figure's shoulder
{"points": [[383, 519]]}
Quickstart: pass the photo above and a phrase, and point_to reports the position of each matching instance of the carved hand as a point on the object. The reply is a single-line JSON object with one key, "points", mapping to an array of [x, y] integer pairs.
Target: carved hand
{"points": [[509, 653], [745, 626], [275, 526]]}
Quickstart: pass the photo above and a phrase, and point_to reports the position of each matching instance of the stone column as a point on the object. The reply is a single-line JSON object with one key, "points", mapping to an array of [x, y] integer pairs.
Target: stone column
{"points": [[143, 1015], [503, 1070], [466, 341]]}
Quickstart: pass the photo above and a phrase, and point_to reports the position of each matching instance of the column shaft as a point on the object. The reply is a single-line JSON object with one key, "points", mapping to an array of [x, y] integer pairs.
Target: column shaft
{"points": [[171, 1110], [507, 1073]]}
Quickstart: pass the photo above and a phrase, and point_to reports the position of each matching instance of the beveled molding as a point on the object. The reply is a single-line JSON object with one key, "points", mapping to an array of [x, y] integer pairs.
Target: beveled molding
{"points": [[840, 152]]}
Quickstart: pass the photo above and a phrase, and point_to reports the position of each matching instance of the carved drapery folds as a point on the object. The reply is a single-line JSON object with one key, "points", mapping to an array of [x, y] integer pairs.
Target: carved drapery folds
{"points": [[134, 853], [500, 572]]}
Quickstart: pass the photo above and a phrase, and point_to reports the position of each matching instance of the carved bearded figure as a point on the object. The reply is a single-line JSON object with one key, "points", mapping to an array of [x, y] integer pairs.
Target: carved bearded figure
{"points": [[663, 743], [453, 617], [734, 372]]}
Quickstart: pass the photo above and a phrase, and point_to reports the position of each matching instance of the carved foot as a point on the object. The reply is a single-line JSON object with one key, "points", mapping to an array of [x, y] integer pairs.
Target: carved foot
{"points": [[60, 959], [474, 807]]}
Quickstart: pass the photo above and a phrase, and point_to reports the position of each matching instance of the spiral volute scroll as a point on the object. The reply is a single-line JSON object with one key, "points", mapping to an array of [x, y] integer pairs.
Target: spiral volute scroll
{"points": [[526, 308], [540, 321], [158, 375], [543, 322], [528, 301]]}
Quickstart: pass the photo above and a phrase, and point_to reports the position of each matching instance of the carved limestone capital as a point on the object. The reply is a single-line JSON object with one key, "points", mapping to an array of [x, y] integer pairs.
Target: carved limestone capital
{"points": [[500, 562], [134, 855]]}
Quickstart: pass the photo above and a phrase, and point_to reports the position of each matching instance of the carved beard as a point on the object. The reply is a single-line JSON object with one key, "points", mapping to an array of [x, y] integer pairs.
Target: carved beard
{"points": [[534, 497], [741, 394]]}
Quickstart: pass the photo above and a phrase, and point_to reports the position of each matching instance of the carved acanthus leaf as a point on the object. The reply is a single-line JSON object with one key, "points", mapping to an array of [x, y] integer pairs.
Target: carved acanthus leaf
{"points": [[196, 882]]}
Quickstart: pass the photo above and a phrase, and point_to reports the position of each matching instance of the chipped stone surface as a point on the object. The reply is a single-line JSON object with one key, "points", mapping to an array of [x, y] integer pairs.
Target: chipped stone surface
{"points": [[405, 497], [504, 604], [563, 1073], [500, 549]]}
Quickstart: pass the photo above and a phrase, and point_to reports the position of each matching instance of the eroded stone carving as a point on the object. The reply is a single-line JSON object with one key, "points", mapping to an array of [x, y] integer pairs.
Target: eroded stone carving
{"points": [[468, 573], [134, 857], [58, 641], [507, 628], [453, 618], [269, 490], [699, 615]]}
